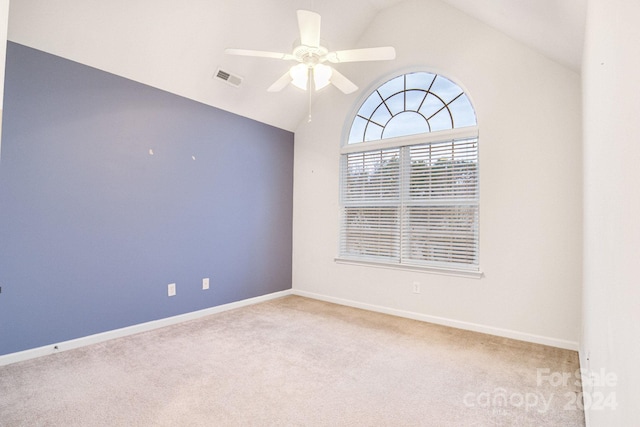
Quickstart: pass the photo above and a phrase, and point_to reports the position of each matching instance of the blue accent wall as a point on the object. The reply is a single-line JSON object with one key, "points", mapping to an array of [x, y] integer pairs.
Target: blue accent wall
{"points": [[93, 227]]}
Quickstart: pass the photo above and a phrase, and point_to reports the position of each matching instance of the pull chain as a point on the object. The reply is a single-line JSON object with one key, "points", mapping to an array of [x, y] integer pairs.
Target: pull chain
{"points": [[310, 88]]}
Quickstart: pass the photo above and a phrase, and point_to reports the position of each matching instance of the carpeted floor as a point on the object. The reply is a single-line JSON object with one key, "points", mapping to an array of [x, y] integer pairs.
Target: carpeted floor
{"points": [[301, 362]]}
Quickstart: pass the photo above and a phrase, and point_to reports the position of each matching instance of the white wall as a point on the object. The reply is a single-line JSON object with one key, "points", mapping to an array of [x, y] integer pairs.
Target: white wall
{"points": [[611, 83], [529, 113]]}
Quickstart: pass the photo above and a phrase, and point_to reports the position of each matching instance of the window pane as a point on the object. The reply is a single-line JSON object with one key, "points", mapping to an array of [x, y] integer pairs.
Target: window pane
{"points": [[407, 123], [445, 89], [371, 205], [441, 234], [370, 105], [392, 87], [381, 115], [414, 99], [419, 80], [444, 170], [396, 103], [462, 112], [441, 151], [430, 106], [441, 121], [371, 232], [371, 176], [373, 132], [357, 130]]}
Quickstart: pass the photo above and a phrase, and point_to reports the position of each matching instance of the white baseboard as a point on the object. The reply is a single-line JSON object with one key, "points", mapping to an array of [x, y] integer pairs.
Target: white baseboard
{"points": [[143, 327], [130, 330], [505, 333]]}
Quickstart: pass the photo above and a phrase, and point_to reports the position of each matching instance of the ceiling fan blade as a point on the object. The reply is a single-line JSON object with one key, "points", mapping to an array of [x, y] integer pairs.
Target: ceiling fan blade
{"points": [[367, 54], [309, 25], [259, 53], [281, 83], [341, 82]]}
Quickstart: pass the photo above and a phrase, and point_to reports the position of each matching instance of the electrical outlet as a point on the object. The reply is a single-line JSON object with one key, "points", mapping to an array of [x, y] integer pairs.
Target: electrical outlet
{"points": [[171, 289], [416, 287], [205, 283]]}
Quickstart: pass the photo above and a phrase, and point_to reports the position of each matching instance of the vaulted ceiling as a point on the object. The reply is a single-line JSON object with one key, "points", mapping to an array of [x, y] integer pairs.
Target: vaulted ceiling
{"points": [[178, 46]]}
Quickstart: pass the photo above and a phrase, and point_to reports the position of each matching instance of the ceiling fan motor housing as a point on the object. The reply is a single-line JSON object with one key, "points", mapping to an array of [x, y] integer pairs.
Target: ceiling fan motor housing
{"points": [[310, 55]]}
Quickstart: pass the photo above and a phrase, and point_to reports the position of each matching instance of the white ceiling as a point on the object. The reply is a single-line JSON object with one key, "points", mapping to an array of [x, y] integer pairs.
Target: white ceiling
{"points": [[177, 46], [553, 27]]}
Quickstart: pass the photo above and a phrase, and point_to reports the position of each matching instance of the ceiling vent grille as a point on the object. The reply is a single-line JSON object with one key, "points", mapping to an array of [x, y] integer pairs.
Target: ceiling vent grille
{"points": [[228, 78]]}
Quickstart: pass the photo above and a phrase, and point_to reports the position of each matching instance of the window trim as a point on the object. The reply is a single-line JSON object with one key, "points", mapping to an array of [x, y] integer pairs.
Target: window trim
{"points": [[401, 141], [457, 272]]}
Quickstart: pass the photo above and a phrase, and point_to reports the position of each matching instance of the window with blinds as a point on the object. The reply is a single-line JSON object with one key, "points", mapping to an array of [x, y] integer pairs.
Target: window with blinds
{"points": [[413, 200]]}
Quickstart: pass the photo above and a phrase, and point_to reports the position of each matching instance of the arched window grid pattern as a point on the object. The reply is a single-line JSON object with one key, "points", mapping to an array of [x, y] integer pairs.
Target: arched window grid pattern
{"points": [[409, 184], [428, 102]]}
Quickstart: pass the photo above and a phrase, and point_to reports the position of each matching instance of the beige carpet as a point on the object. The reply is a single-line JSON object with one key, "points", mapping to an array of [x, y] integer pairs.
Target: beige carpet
{"points": [[295, 361]]}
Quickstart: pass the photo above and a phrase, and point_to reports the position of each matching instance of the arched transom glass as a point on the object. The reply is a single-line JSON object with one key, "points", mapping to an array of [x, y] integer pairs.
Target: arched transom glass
{"points": [[411, 104]]}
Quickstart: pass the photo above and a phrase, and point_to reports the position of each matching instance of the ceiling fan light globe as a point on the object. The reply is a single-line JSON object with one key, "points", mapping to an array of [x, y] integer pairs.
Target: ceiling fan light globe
{"points": [[321, 76], [300, 76]]}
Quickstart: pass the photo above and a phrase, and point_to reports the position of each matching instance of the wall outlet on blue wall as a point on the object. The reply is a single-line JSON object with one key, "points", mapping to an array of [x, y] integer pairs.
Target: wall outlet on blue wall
{"points": [[205, 283], [171, 289]]}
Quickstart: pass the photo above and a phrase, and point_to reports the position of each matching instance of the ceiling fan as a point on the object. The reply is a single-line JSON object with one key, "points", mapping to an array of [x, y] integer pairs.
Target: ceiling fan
{"points": [[311, 58]]}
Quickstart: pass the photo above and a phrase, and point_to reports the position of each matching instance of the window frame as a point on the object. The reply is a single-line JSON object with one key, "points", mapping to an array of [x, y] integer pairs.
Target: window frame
{"points": [[433, 137]]}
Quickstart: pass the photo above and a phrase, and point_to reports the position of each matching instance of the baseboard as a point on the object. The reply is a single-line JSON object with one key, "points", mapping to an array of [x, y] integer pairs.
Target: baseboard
{"points": [[148, 326], [130, 330], [505, 333]]}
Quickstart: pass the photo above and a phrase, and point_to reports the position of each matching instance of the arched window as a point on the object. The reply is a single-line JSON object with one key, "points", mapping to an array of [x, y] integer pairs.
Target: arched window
{"points": [[409, 177], [411, 104]]}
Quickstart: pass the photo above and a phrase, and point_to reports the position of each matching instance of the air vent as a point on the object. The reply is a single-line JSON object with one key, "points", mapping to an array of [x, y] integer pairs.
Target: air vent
{"points": [[228, 78]]}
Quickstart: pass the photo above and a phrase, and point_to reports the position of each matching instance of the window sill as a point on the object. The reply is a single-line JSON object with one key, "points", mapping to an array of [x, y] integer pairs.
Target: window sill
{"points": [[458, 272]]}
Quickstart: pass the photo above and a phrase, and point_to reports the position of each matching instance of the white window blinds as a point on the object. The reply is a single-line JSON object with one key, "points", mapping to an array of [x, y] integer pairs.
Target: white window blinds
{"points": [[371, 205], [412, 205]]}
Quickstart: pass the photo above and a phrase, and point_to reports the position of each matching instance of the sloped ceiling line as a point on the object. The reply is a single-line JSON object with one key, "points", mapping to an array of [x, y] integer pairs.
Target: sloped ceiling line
{"points": [[178, 47]]}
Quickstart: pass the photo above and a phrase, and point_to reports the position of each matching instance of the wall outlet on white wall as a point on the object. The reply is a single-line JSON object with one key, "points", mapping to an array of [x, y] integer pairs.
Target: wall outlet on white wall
{"points": [[416, 287]]}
